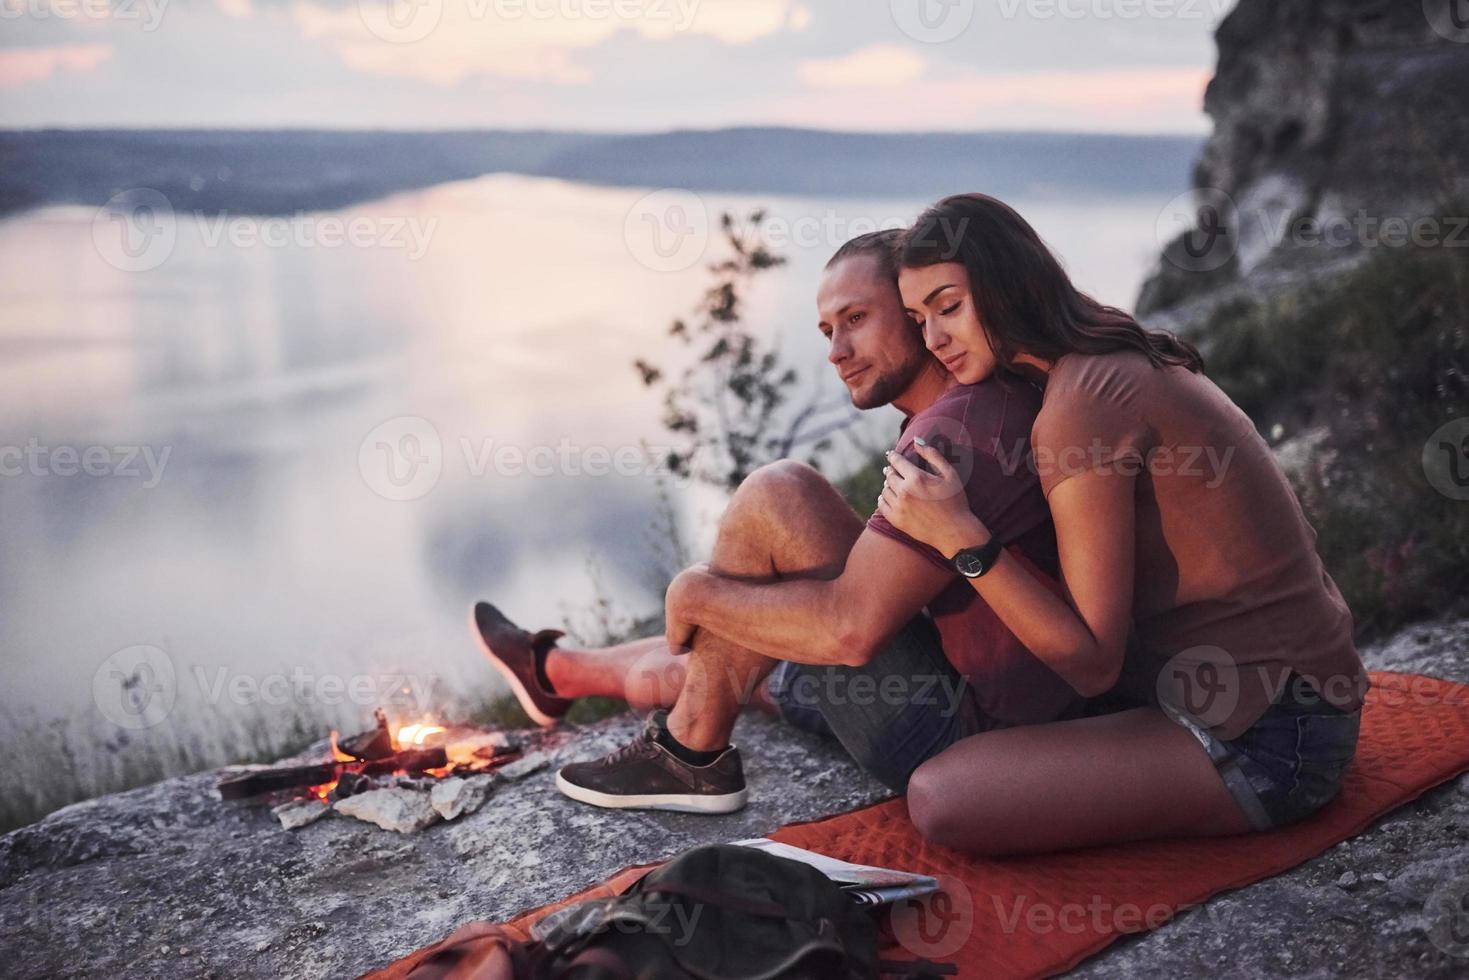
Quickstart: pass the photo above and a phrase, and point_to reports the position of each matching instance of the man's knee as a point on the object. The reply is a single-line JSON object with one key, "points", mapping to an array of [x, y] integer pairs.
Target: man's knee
{"points": [[778, 483]]}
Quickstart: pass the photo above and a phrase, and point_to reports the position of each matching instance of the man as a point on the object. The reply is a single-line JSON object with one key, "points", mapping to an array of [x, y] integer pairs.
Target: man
{"points": [[803, 608]]}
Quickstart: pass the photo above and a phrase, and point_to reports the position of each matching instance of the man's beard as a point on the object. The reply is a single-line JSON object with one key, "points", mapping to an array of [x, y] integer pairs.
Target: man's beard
{"points": [[890, 385]]}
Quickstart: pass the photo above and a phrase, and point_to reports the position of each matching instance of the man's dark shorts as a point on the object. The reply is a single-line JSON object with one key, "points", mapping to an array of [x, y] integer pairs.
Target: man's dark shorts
{"points": [[894, 713]]}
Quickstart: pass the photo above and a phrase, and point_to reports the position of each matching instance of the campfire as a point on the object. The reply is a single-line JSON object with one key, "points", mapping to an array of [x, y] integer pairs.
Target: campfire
{"points": [[400, 777]]}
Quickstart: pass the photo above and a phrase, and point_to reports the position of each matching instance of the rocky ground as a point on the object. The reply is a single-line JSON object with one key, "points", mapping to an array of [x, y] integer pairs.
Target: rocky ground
{"points": [[166, 881]]}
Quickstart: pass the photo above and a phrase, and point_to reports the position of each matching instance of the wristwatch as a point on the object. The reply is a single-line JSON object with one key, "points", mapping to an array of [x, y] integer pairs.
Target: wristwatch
{"points": [[974, 562]]}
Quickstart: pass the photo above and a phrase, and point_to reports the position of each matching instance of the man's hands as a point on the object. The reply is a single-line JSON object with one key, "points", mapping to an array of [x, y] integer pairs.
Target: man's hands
{"points": [[678, 609]]}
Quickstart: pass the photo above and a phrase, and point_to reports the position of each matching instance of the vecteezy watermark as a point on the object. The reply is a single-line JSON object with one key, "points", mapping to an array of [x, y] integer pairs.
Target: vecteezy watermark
{"points": [[1449, 19], [814, 688], [1203, 229], [135, 688], [1207, 464], [302, 230], [1447, 917], [1096, 916], [667, 230], [1205, 223], [398, 690], [932, 21], [404, 457], [1115, 10], [1201, 684], [1446, 459], [409, 21], [137, 230], [146, 13], [671, 915], [124, 462], [937, 925]]}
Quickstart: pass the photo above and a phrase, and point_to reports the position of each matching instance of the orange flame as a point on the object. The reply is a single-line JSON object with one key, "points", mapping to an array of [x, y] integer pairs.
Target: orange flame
{"points": [[337, 754], [410, 735]]}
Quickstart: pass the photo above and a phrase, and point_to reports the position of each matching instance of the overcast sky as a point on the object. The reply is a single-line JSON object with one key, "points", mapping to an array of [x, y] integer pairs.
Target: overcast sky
{"points": [[1096, 65]]}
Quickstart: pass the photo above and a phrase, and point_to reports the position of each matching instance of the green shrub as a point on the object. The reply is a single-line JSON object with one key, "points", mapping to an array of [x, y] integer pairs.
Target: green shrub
{"points": [[1375, 360]]}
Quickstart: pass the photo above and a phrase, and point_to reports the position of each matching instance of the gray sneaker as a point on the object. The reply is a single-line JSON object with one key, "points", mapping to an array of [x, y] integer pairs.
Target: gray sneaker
{"points": [[644, 775]]}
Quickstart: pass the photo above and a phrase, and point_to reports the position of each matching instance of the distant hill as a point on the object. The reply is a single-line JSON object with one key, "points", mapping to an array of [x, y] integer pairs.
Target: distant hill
{"points": [[283, 171]]}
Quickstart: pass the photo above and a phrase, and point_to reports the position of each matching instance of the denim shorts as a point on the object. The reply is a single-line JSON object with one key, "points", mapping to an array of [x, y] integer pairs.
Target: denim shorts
{"points": [[892, 714], [1289, 763]]}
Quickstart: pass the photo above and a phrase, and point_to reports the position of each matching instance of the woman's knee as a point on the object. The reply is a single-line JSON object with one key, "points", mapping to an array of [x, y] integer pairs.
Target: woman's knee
{"points": [[949, 808], [931, 804]]}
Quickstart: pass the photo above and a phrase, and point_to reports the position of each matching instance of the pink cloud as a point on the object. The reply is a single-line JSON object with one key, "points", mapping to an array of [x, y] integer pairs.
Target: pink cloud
{"points": [[1135, 100], [21, 65]]}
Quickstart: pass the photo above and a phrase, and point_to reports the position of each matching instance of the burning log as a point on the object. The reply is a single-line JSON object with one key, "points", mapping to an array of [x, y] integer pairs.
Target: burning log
{"points": [[272, 780], [303, 777], [376, 744]]}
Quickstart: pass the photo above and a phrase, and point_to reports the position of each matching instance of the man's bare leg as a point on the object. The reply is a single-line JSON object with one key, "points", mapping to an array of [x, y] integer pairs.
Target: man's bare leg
{"points": [[785, 520], [793, 524]]}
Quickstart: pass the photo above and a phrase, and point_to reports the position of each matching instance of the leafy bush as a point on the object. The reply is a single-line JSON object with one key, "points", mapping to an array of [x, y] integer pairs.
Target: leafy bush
{"points": [[1372, 362]]}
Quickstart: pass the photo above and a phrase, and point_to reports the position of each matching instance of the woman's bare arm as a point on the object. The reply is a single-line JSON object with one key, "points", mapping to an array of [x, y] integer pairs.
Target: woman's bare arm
{"points": [[1083, 636]]}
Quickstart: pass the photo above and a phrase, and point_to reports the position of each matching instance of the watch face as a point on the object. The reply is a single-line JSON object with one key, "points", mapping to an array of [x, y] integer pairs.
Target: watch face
{"points": [[969, 564]]}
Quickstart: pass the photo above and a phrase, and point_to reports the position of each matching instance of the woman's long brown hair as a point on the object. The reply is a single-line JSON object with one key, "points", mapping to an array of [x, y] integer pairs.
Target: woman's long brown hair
{"points": [[1025, 300]]}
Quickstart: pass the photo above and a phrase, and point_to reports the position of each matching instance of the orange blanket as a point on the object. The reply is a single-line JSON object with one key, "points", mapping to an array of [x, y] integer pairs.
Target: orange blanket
{"points": [[1037, 916]]}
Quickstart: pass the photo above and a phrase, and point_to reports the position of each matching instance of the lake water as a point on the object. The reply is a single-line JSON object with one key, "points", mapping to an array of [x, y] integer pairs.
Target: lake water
{"points": [[250, 485]]}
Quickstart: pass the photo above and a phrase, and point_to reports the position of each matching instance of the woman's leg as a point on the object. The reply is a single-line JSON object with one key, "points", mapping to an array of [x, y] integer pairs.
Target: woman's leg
{"points": [[1125, 776]]}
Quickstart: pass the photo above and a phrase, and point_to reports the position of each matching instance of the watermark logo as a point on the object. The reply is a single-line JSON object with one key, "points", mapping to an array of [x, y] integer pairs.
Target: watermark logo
{"points": [[952, 440], [1202, 684], [144, 463], [148, 13], [136, 230], [657, 679], [136, 687], [1449, 19], [667, 230], [1446, 459], [1447, 915], [932, 21], [402, 459], [1208, 221], [400, 21], [937, 925]]}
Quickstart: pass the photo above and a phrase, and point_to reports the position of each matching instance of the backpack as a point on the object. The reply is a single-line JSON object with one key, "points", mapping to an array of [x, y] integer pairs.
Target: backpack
{"points": [[718, 912]]}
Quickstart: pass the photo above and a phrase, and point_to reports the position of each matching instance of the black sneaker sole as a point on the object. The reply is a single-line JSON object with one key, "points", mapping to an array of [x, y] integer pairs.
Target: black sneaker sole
{"points": [[513, 679], [676, 802]]}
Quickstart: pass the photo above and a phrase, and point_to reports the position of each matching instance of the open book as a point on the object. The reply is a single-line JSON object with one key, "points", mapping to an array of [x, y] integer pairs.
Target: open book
{"points": [[867, 885]]}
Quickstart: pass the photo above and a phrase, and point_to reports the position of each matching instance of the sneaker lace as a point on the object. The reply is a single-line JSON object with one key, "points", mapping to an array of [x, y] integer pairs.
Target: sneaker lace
{"points": [[637, 748]]}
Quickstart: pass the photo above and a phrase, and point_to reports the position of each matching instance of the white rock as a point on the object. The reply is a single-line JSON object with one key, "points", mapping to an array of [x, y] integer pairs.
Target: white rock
{"points": [[402, 810], [454, 797], [523, 767], [299, 813]]}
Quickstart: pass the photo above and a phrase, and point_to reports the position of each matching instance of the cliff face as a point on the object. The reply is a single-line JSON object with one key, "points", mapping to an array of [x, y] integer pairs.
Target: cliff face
{"points": [[1331, 117]]}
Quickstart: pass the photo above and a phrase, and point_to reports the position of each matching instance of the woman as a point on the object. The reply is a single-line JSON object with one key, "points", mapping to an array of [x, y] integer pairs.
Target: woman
{"points": [[1192, 584]]}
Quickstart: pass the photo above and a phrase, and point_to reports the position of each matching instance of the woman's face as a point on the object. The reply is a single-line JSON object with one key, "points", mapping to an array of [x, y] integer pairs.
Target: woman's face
{"points": [[937, 298]]}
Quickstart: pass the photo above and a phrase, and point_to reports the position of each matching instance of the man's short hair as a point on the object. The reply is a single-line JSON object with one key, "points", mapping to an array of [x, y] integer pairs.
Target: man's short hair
{"points": [[881, 245]]}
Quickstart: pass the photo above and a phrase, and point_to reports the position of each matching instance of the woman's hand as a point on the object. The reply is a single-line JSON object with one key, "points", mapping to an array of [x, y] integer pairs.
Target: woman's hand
{"points": [[930, 507], [678, 630]]}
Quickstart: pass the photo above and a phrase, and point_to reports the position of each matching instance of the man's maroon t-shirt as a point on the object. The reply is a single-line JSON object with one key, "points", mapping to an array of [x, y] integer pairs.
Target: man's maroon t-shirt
{"points": [[984, 431]]}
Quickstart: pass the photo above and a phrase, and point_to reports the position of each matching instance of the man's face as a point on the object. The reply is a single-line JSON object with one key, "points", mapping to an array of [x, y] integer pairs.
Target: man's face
{"points": [[877, 350]]}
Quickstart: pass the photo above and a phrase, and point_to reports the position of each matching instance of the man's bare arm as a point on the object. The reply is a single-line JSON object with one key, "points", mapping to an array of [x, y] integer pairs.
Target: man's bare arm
{"points": [[845, 620]]}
